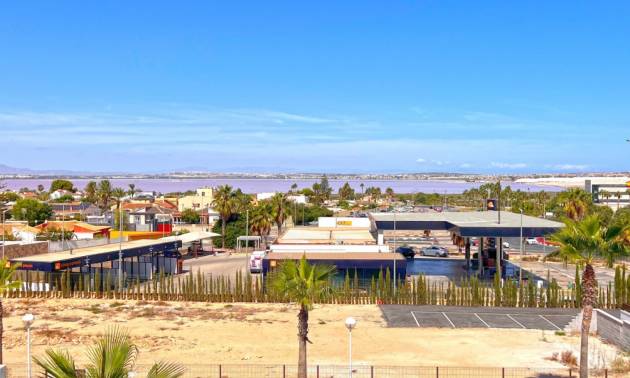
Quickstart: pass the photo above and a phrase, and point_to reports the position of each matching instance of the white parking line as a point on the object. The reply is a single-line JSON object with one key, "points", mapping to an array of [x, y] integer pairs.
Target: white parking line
{"points": [[558, 328], [449, 320], [416, 319], [478, 317], [515, 321]]}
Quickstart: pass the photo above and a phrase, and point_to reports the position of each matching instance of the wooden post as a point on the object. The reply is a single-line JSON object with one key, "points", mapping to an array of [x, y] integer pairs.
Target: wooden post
{"points": [[220, 372], [317, 371], [437, 372], [570, 373], [284, 371], [371, 371], [502, 372]]}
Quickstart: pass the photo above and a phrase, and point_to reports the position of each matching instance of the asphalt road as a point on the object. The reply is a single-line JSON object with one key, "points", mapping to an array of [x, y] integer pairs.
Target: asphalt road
{"points": [[217, 265]]}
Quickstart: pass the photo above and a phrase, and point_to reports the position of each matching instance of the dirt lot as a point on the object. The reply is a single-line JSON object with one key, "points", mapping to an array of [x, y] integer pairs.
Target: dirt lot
{"points": [[198, 333]]}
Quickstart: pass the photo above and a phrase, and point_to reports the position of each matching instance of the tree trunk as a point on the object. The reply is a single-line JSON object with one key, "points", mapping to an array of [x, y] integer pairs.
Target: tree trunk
{"points": [[1, 329], [589, 297], [302, 339], [223, 233]]}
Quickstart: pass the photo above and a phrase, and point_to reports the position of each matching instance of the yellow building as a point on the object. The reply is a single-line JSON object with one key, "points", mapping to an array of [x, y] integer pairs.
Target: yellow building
{"points": [[201, 200]]}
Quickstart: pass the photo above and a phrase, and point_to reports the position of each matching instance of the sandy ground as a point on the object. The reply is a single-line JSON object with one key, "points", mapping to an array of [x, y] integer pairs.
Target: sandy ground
{"points": [[200, 333]]}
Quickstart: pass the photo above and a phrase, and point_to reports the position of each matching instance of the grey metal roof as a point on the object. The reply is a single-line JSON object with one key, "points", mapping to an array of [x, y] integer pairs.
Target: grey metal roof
{"points": [[473, 223]]}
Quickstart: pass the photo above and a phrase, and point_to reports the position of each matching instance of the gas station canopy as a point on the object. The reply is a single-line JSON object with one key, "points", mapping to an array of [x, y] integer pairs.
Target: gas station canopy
{"points": [[468, 224]]}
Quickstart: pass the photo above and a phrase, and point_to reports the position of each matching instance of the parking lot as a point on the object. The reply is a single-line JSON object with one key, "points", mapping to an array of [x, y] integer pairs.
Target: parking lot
{"points": [[477, 317]]}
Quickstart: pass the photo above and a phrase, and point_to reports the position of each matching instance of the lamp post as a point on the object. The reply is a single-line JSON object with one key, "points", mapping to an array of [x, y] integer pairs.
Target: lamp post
{"points": [[4, 230], [120, 252], [350, 324], [28, 320], [520, 271]]}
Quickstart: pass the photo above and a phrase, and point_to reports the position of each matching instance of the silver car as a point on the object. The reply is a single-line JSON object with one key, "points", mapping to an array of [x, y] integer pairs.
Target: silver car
{"points": [[434, 250]]}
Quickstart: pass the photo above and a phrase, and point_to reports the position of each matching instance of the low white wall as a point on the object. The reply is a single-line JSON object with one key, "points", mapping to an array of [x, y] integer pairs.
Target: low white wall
{"points": [[325, 248]]}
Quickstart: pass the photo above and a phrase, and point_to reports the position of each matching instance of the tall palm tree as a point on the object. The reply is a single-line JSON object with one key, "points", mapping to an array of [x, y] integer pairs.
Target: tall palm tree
{"points": [[302, 283], [582, 242], [104, 194], [225, 203], [91, 192], [133, 190], [7, 282], [261, 220], [577, 203], [280, 206], [118, 194], [112, 356]]}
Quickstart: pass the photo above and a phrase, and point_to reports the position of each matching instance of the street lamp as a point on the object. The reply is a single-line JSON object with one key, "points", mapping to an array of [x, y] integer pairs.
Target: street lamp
{"points": [[520, 271], [28, 320], [4, 230], [350, 324]]}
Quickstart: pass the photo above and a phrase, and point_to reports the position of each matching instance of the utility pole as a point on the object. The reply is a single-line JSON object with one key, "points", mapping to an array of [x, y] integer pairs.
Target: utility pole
{"points": [[395, 278]]}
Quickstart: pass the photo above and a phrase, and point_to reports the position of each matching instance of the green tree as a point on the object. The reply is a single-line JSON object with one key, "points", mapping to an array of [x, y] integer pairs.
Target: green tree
{"points": [[294, 187], [104, 194], [111, 356], [190, 216], [31, 210], [118, 194], [583, 241], [280, 209], [62, 184], [40, 188], [225, 203], [7, 282], [91, 192], [133, 190], [65, 199], [234, 228], [261, 219], [346, 192], [302, 283], [9, 197], [389, 192]]}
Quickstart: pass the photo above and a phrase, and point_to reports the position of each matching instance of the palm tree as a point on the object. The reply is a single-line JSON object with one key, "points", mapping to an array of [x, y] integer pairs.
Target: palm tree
{"points": [[581, 242], [7, 282], [261, 220], [104, 193], [225, 203], [576, 204], [362, 186], [390, 193], [280, 206], [118, 194], [112, 356], [294, 187], [91, 192], [618, 195], [133, 190], [302, 283]]}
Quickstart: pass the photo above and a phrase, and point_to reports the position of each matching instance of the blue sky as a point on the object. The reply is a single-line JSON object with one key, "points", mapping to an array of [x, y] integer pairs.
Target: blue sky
{"points": [[326, 86]]}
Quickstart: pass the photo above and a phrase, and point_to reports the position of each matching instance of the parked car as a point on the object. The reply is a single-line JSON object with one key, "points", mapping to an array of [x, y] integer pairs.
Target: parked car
{"points": [[506, 244], [406, 251], [434, 250], [256, 261], [531, 241]]}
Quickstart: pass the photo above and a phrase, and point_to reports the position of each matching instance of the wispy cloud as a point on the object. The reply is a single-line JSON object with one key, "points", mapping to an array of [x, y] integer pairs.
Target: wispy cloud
{"points": [[569, 167], [508, 165]]}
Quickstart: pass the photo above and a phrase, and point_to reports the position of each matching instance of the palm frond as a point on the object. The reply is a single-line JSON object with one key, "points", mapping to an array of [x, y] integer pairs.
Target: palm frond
{"points": [[113, 355], [166, 370], [57, 364]]}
